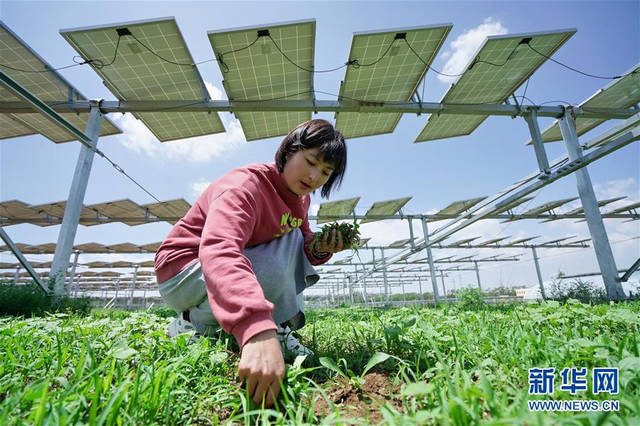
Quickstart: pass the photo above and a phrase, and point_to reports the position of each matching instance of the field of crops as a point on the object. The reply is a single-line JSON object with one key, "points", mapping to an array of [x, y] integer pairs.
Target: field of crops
{"points": [[395, 366]]}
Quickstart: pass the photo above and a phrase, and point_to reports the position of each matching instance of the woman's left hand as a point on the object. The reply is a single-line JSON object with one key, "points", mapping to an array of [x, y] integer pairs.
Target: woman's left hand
{"points": [[331, 242]]}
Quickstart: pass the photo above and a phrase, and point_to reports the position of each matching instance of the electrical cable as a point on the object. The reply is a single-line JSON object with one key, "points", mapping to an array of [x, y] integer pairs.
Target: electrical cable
{"points": [[615, 77], [429, 66]]}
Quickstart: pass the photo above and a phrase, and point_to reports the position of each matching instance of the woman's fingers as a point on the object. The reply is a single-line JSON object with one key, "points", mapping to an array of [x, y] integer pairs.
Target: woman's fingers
{"points": [[272, 394]]}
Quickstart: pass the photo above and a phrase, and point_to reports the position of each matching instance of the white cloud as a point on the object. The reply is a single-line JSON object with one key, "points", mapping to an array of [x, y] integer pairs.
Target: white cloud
{"points": [[466, 44], [138, 138], [618, 188], [199, 186]]}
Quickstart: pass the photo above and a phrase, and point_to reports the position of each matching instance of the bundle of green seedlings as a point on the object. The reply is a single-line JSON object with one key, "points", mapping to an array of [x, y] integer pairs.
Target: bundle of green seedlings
{"points": [[349, 231]]}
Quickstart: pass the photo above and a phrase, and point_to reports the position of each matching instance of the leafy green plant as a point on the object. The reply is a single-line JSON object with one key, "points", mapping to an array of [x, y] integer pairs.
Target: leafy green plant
{"points": [[29, 299], [349, 231], [356, 380], [470, 299]]}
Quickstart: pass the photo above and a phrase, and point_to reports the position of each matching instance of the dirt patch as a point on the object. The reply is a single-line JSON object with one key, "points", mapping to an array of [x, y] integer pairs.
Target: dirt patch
{"points": [[363, 403]]}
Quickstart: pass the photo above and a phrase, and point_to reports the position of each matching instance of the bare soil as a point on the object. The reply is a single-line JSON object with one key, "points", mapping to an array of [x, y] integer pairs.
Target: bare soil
{"points": [[363, 403]]}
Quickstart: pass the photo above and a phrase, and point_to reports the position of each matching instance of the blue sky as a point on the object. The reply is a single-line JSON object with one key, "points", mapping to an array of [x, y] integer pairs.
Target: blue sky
{"points": [[36, 171]]}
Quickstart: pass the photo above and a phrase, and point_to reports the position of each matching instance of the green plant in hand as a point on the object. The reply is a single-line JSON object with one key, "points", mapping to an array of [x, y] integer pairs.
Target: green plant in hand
{"points": [[349, 231]]}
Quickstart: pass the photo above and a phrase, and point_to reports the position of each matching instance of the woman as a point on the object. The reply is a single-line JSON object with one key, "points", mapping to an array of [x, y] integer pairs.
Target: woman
{"points": [[244, 252]]}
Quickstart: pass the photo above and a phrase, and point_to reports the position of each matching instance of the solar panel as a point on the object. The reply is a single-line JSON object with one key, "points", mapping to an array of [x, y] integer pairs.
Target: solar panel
{"points": [[124, 248], [399, 243], [137, 74], [255, 70], [332, 210], [492, 241], [131, 212], [483, 83], [546, 207], [458, 207], [394, 76], [621, 93], [557, 240], [15, 211], [462, 242], [385, 208], [521, 241], [627, 208], [169, 209], [91, 248], [151, 247], [47, 86]]}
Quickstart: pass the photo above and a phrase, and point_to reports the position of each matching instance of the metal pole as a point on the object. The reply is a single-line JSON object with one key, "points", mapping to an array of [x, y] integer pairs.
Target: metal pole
{"points": [[364, 287], [384, 275], [16, 275], [404, 298], [420, 285], [133, 283], [74, 203], [535, 261], [592, 211], [117, 288], [536, 138], [73, 272], [434, 283], [350, 289], [16, 252], [478, 274], [444, 289]]}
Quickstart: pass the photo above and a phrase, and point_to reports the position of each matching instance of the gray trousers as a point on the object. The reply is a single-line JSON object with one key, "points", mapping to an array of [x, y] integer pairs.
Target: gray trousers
{"points": [[281, 267]]}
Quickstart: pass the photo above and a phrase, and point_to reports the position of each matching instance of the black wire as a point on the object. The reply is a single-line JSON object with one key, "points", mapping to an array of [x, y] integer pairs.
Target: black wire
{"points": [[480, 61], [525, 91], [154, 53], [303, 68], [121, 170], [75, 64], [429, 66], [615, 77]]}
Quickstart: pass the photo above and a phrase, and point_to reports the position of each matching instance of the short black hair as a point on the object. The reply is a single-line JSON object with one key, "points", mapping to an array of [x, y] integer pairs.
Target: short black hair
{"points": [[321, 134]]}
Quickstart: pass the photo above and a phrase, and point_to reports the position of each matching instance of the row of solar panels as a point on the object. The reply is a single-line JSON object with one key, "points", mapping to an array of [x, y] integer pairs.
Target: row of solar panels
{"points": [[127, 211], [97, 264], [149, 61]]}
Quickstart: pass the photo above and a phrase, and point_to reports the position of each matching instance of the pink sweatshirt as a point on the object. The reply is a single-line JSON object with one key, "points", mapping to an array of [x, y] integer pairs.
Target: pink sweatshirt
{"points": [[245, 207]]}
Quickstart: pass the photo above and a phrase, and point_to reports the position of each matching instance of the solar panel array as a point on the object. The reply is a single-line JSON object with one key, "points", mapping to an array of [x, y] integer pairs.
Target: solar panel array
{"points": [[621, 93], [388, 70], [125, 211], [49, 248], [333, 209], [133, 73], [501, 65], [47, 86], [254, 69]]}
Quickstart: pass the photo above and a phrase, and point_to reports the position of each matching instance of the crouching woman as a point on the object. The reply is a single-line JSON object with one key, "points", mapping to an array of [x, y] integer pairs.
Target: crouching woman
{"points": [[241, 256]]}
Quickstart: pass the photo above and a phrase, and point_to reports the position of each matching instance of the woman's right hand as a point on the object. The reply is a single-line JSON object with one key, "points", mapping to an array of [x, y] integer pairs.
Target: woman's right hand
{"points": [[262, 365]]}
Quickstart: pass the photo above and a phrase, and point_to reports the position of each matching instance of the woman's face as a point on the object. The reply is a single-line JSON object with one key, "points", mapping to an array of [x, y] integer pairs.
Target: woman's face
{"points": [[305, 171]]}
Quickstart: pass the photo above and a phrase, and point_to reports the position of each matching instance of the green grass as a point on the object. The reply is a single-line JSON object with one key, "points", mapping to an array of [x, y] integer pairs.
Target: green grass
{"points": [[444, 366]]}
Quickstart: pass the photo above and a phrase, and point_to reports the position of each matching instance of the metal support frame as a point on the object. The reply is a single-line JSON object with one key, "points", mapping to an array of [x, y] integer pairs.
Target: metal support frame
{"points": [[16, 252], [537, 263], [384, 275], [444, 289], [478, 274], [538, 144], [630, 271], [434, 284], [319, 105], [73, 208], [597, 230], [133, 282], [73, 272]]}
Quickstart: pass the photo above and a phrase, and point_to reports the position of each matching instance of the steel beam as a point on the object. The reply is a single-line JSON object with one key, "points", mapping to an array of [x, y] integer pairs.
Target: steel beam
{"points": [[434, 284], [630, 271], [538, 144], [536, 262], [597, 230], [73, 208], [478, 274], [16, 252], [315, 105]]}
